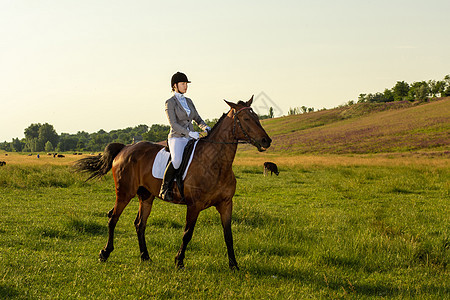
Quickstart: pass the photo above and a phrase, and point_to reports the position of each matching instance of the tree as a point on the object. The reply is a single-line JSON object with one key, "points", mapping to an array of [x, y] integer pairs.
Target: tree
{"points": [[377, 97], [401, 90], [388, 95], [362, 98], [37, 135], [16, 145], [159, 132], [30, 145], [47, 134], [419, 91], [446, 88], [293, 111], [67, 142], [304, 109], [32, 131], [271, 112], [437, 87], [48, 146], [31, 137], [5, 146], [422, 93], [81, 145]]}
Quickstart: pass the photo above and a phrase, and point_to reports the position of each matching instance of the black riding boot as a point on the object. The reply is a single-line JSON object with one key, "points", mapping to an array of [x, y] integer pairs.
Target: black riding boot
{"points": [[166, 192]]}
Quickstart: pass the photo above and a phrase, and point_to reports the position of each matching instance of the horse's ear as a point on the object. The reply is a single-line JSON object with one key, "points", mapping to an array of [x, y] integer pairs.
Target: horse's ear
{"points": [[249, 102], [231, 104]]}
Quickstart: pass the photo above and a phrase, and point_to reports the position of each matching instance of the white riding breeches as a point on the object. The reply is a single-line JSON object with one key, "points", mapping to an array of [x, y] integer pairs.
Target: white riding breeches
{"points": [[176, 146]]}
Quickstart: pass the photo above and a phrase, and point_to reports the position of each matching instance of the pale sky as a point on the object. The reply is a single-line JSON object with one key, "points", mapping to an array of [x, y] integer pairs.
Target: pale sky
{"points": [[87, 65]]}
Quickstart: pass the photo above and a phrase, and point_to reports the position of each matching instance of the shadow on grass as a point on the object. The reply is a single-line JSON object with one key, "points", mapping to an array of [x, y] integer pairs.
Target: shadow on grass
{"points": [[8, 292], [87, 227], [337, 284], [399, 190], [54, 233], [164, 223], [254, 218], [251, 171], [100, 214]]}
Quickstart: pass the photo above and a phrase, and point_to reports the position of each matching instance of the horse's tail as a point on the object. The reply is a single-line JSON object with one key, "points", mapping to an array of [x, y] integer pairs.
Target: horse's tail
{"points": [[99, 165]]}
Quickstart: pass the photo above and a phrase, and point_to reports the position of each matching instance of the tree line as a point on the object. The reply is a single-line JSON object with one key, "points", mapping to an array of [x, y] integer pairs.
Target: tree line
{"points": [[43, 137], [401, 91], [416, 91]]}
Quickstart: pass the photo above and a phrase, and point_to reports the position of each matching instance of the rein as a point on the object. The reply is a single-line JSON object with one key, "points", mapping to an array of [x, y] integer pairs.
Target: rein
{"points": [[236, 120]]}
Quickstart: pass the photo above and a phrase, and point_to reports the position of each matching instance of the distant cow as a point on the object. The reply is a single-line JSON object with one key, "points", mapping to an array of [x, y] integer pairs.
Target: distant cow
{"points": [[60, 155], [2, 163], [270, 166]]}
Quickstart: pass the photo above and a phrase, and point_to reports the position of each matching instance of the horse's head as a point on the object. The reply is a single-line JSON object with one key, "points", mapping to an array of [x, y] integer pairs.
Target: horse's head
{"points": [[247, 126]]}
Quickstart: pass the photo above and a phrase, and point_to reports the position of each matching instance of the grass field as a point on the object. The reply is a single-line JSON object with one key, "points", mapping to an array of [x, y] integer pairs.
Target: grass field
{"points": [[327, 227]]}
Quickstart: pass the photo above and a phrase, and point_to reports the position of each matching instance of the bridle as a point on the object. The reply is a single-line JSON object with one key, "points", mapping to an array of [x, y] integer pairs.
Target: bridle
{"points": [[236, 120]]}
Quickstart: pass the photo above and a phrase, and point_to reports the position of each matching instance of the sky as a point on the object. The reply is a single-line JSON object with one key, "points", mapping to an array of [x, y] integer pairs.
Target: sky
{"points": [[88, 65]]}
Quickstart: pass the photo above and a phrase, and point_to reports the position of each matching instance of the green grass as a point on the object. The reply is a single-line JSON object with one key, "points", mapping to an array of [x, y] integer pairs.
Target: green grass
{"points": [[312, 232]]}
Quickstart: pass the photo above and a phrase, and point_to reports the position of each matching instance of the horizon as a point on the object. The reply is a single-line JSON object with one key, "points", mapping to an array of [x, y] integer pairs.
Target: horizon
{"points": [[102, 65]]}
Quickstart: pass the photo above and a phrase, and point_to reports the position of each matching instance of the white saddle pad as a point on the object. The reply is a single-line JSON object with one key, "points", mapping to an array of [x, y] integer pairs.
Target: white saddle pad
{"points": [[161, 160]]}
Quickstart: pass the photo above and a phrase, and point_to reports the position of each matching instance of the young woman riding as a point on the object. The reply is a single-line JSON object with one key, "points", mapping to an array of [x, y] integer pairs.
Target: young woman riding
{"points": [[180, 112]]}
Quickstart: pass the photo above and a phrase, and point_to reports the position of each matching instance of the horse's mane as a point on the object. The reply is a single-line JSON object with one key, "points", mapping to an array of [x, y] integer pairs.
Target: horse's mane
{"points": [[220, 120], [215, 126]]}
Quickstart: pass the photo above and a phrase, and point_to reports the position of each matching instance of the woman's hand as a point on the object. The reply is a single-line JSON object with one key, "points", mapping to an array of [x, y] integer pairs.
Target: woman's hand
{"points": [[195, 135]]}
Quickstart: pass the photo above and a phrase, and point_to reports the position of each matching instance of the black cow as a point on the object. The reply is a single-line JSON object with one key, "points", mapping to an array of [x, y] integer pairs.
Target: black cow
{"points": [[2, 163], [270, 166]]}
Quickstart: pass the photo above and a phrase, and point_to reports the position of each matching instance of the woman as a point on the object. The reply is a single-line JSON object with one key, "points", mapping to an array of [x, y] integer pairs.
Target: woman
{"points": [[180, 111]]}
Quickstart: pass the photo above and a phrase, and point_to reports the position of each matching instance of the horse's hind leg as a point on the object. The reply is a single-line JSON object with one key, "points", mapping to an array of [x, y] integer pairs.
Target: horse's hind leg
{"points": [[191, 219], [110, 212], [145, 207], [121, 203], [225, 209]]}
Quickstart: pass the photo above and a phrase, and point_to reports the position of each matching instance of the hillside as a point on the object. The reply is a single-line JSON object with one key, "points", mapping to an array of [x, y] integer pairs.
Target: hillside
{"points": [[364, 128]]}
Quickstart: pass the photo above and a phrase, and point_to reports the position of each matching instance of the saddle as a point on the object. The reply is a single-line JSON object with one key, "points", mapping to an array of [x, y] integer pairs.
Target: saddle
{"points": [[163, 158]]}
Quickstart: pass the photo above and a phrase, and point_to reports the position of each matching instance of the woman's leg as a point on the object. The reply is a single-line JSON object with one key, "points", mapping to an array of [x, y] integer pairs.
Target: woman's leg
{"points": [[176, 146]]}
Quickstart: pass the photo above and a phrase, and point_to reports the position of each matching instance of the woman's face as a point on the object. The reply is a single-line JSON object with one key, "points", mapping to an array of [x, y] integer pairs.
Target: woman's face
{"points": [[181, 87]]}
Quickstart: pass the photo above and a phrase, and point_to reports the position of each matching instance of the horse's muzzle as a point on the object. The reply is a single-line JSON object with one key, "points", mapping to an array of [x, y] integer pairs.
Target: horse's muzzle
{"points": [[264, 144]]}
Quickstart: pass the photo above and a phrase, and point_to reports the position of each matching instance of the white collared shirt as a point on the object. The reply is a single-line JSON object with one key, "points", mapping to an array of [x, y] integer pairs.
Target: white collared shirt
{"points": [[183, 102]]}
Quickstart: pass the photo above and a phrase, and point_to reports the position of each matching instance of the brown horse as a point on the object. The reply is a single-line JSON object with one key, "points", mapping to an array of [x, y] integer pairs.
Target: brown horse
{"points": [[210, 180]]}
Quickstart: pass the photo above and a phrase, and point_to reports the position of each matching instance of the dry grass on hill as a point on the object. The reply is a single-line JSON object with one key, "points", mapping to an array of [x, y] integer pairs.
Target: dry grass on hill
{"points": [[423, 127]]}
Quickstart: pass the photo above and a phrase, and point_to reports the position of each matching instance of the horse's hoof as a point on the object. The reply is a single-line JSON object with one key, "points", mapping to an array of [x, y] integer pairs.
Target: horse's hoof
{"points": [[179, 264], [103, 256], [145, 257], [234, 267]]}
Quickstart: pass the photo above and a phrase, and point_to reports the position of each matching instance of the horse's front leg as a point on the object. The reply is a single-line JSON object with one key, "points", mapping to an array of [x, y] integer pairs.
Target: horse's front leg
{"points": [[191, 218], [225, 210]]}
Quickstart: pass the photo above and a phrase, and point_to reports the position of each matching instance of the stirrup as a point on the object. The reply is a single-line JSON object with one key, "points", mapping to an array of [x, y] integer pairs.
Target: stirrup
{"points": [[166, 195]]}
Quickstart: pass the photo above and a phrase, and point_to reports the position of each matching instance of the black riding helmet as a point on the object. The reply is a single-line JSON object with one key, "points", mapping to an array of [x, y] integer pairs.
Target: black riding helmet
{"points": [[178, 77]]}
